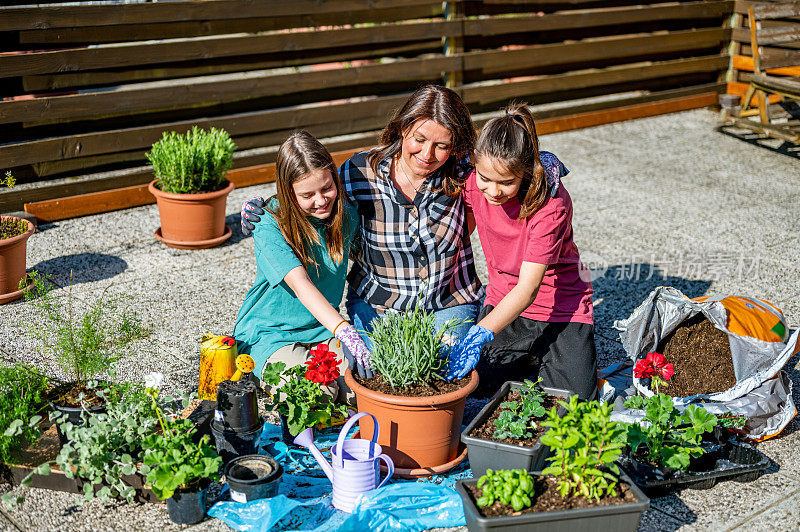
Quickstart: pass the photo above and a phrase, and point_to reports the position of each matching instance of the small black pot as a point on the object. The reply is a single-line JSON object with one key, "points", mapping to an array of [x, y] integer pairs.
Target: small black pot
{"points": [[252, 477], [187, 507], [75, 415], [237, 403], [231, 444]]}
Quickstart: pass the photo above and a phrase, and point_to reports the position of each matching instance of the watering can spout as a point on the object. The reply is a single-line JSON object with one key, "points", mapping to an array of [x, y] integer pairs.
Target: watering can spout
{"points": [[306, 439]]}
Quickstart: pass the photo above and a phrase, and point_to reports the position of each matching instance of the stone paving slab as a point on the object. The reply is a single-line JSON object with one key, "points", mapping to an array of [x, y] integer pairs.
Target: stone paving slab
{"points": [[665, 200]]}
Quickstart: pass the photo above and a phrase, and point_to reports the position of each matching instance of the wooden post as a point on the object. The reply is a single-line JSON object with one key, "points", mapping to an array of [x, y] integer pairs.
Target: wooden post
{"points": [[454, 45]]}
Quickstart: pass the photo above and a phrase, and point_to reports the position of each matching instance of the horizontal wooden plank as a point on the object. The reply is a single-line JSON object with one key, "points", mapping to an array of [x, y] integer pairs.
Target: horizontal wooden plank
{"points": [[127, 54], [70, 207], [776, 10], [27, 17], [220, 88], [778, 58], [167, 30], [297, 116], [594, 49], [743, 62], [777, 35]]}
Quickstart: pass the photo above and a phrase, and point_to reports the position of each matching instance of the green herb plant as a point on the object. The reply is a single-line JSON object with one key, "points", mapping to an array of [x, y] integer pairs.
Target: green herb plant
{"points": [[85, 342], [512, 487], [407, 348], [517, 418], [9, 225], [667, 436], [303, 404], [732, 422], [194, 162], [585, 443], [23, 397], [173, 460]]}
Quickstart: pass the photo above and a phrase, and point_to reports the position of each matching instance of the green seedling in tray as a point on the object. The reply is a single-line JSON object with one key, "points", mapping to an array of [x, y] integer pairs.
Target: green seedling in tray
{"points": [[512, 487], [517, 418]]}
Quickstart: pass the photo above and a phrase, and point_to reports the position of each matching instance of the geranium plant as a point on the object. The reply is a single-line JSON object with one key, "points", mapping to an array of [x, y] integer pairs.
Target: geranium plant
{"points": [[23, 397], [517, 418], [299, 396], [656, 368], [585, 443]]}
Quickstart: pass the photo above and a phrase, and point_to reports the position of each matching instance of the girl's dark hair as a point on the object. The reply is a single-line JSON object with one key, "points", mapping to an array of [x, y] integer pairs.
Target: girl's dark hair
{"points": [[298, 156], [443, 106], [511, 140]]}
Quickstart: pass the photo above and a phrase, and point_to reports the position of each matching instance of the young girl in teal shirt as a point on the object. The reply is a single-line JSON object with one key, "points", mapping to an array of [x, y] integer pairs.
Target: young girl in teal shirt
{"points": [[301, 255]]}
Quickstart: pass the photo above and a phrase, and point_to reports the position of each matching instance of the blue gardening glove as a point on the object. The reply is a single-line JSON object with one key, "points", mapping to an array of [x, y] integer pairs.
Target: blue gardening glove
{"points": [[464, 355], [252, 210]]}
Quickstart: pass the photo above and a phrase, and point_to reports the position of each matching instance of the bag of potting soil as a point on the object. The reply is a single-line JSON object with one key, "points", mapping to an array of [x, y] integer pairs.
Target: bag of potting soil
{"points": [[723, 349]]}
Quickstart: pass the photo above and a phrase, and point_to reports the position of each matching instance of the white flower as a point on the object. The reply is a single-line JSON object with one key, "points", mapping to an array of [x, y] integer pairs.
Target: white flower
{"points": [[448, 339], [153, 380]]}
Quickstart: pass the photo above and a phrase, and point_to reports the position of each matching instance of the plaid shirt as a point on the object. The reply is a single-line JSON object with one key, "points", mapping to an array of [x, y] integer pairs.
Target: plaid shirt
{"points": [[409, 252]]}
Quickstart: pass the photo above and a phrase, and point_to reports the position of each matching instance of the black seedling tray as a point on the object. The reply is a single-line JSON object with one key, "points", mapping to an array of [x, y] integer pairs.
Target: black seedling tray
{"points": [[739, 462]]}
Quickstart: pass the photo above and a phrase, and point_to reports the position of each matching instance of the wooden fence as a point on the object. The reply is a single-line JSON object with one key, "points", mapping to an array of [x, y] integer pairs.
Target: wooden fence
{"points": [[87, 87]]}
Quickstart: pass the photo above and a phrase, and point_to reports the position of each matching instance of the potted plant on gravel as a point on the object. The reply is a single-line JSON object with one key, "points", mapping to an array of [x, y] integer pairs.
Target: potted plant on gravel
{"points": [[505, 433], [23, 400], [190, 187], [299, 397], [418, 411], [582, 489], [14, 234]]}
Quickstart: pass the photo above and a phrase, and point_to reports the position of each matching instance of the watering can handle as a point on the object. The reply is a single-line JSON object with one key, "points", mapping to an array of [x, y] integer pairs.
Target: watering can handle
{"points": [[349, 425], [389, 469]]}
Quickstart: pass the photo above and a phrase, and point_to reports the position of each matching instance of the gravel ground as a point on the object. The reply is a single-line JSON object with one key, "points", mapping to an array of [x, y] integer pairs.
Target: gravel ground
{"points": [[666, 200]]}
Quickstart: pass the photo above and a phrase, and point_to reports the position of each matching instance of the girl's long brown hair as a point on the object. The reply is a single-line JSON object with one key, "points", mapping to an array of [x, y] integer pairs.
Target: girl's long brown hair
{"points": [[443, 106], [298, 156], [511, 140]]}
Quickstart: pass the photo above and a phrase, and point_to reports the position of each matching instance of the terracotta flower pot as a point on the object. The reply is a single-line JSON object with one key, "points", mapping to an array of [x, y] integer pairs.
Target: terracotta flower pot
{"points": [[416, 432], [192, 221], [12, 263]]}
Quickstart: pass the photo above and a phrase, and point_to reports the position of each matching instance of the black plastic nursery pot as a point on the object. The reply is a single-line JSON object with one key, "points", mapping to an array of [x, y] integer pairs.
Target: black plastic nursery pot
{"points": [[76, 415], [737, 461], [231, 444], [484, 454], [252, 477], [188, 506], [237, 404], [619, 517]]}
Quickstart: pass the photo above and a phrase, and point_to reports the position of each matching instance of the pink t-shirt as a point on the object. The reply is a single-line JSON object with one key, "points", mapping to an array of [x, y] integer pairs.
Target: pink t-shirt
{"points": [[543, 238]]}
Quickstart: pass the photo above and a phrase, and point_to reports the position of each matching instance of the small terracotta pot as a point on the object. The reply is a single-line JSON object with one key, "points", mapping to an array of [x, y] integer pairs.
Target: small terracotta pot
{"points": [[192, 221], [12, 263], [416, 432]]}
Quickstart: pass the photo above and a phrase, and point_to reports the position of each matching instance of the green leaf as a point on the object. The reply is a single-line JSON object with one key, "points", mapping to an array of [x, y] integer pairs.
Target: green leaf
{"points": [[43, 469]]}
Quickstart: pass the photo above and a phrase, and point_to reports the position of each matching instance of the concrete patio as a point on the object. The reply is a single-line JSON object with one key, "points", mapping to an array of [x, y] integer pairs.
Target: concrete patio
{"points": [[666, 200]]}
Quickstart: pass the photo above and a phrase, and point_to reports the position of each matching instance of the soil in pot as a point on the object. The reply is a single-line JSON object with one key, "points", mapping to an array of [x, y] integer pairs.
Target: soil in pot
{"points": [[379, 384], [68, 394], [701, 355], [548, 499], [486, 430]]}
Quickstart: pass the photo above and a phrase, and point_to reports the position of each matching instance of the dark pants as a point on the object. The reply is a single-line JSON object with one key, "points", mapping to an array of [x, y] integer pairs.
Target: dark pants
{"points": [[562, 354]]}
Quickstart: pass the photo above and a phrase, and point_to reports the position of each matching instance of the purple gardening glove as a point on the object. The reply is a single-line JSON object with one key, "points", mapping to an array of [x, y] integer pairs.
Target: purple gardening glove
{"points": [[554, 170], [360, 358], [463, 356], [252, 210]]}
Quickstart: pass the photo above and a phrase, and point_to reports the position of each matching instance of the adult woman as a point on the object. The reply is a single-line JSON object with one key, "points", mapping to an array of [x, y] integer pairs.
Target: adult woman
{"points": [[414, 247]]}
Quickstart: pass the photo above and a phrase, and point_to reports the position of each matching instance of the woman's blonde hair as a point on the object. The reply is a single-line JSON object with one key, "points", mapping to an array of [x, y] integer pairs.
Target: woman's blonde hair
{"points": [[298, 156], [511, 140]]}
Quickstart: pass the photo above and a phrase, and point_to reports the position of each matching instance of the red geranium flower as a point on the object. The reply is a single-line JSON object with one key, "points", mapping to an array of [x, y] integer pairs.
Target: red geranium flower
{"points": [[655, 367], [323, 367]]}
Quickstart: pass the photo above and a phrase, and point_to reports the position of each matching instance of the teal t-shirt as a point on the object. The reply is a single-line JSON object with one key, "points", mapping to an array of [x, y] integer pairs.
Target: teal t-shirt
{"points": [[271, 315]]}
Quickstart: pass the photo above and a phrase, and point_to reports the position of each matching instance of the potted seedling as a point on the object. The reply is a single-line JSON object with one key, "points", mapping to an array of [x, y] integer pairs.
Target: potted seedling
{"points": [[582, 489], [419, 411], [14, 234], [179, 466], [505, 433], [299, 397], [86, 343], [190, 187], [23, 401]]}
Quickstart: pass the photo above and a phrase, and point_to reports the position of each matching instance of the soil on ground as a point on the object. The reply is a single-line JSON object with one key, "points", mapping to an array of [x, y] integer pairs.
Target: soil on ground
{"points": [[486, 429], [68, 394], [548, 499], [379, 384], [701, 356]]}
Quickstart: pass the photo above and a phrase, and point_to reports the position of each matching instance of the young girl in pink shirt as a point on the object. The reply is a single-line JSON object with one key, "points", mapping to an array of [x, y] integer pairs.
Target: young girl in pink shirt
{"points": [[537, 315]]}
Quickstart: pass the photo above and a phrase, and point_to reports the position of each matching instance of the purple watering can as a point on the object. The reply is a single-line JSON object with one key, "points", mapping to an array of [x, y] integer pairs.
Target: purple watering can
{"points": [[355, 468]]}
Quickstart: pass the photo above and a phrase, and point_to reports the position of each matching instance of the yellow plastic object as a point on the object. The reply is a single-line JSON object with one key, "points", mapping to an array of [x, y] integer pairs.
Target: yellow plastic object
{"points": [[244, 364], [217, 364], [752, 317]]}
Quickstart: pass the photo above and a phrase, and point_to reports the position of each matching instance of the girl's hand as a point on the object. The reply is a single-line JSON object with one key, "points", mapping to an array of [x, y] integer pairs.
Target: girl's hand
{"points": [[361, 359], [252, 210], [465, 354]]}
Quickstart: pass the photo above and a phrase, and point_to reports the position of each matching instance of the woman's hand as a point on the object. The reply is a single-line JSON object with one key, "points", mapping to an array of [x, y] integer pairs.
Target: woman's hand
{"points": [[361, 358], [465, 354]]}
